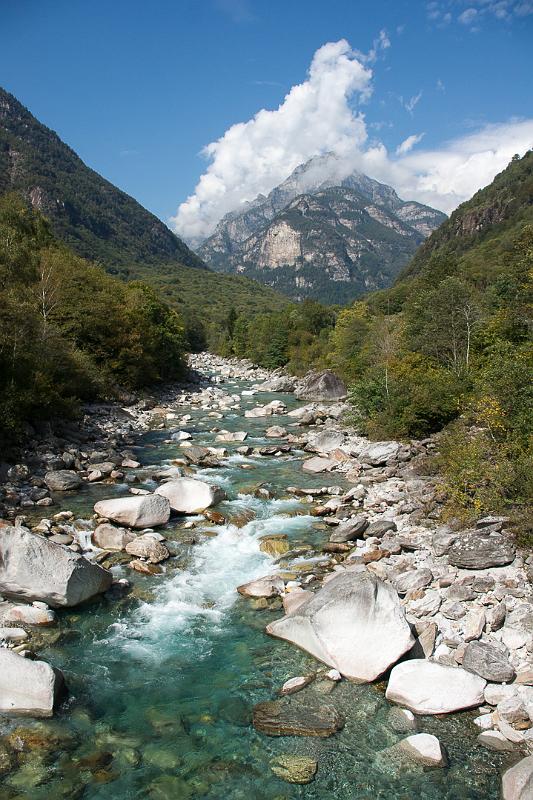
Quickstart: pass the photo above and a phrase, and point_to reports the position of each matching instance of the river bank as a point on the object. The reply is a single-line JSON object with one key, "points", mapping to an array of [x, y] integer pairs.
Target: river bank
{"points": [[309, 503]]}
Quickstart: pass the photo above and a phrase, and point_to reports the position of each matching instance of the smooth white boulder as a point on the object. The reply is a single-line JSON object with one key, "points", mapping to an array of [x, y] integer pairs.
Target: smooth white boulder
{"points": [[28, 688], [190, 496], [354, 624], [325, 441], [229, 436], [144, 511], [319, 464], [429, 688], [34, 568], [517, 782]]}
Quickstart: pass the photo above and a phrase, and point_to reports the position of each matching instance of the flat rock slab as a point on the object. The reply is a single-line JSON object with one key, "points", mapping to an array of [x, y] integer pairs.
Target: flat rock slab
{"points": [[28, 688], [425, 687], [354, 624], [318, 464], [288, 717], [480, 550]]}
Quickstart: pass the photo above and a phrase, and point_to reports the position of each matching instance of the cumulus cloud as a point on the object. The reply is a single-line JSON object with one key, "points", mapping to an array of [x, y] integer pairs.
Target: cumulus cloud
{"points": [[316, 116], [322, 117]]}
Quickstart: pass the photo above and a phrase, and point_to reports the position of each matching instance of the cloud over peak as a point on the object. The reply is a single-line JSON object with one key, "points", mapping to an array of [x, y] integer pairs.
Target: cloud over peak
{"points": [[317, 116]]}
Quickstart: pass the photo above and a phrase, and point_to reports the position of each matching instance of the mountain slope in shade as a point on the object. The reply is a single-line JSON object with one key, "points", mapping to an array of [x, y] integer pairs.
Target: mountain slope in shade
{"points": [[97, 220], [328, 238]]}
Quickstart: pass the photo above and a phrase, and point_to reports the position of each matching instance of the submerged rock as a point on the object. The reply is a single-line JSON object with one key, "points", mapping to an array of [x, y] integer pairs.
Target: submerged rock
{"points": [[354, 624], [33, 568], [420, 748], [190, 496], [425, 687], [145, 511], [294, 769], [288, 717], [28, 688]]}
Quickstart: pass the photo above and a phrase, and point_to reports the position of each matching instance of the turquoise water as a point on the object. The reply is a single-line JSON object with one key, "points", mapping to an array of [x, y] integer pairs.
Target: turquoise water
{"points": [[162, 683]]}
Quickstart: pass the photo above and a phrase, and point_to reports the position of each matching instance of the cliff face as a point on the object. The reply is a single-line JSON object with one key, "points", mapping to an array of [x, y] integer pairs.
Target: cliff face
{"points": [[328, 238]]}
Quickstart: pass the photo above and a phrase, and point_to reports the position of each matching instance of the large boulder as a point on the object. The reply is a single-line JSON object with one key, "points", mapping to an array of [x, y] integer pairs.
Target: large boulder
{"points": [[33, 568], [190, 496], [352, 528], [28, 688], [325, 441], [481, 550], [355, 624], [269, 586], [378, 453], [149, 548], [425, 687], [321, 386], [517, 782], [318, 464], [144, 511], [62, 480]]}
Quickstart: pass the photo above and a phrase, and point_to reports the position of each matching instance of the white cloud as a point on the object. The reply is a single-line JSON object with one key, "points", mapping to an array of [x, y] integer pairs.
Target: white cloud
{"points": [[409, 143], [321, 115], [411, 102], [316, 116], [468, 16]]}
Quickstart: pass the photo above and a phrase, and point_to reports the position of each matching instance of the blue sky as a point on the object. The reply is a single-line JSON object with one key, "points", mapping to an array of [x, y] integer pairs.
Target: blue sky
{"points": [[139, 88]]}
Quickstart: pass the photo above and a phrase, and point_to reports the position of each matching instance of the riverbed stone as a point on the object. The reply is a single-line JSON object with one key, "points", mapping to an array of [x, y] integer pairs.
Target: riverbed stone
{"points": [[419, 748], [480, 550], [517, 782], [269, 586], [293, 768], [296, 717], [145, 511], [349, 529], [109, 537], [62, 480], [28, 614], [318, 464], [354, 624], [148, 548], [425, 687], [190, 496], [33, 568], [28, 688], [488, 661], [414, 579]]}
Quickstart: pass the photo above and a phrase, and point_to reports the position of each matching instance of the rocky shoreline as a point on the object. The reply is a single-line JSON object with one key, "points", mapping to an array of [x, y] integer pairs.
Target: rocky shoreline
{"points": [[392, 576]]}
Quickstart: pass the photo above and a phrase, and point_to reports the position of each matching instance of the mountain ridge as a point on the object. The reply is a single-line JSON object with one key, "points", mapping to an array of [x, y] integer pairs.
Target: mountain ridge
{"points": [[361, 235]]}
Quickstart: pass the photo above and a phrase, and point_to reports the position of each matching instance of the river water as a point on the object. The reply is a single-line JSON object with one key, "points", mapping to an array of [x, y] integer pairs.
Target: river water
{"points": [[162, 683]]}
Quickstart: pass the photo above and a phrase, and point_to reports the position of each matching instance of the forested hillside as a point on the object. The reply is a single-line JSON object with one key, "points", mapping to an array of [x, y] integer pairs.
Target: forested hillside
{"points": [[68, 331], [449, 345]]}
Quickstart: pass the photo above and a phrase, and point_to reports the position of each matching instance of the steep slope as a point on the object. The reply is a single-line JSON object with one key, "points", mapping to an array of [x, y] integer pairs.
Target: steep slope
{"points": [[483, 227], [328, 238], [87, 212], [103, 224]]}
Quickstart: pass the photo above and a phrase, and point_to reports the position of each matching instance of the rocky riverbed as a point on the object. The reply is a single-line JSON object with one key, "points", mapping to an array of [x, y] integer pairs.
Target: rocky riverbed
{"points": [[179, 533]]}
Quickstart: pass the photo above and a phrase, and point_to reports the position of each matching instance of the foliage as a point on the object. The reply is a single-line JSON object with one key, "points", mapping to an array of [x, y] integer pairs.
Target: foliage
{"points": [[450, 345], [68, 331]]}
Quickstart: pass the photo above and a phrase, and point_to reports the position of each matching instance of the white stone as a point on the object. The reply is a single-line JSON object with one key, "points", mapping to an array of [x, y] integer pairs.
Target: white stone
{"points": [[517, 782], [295, 684], [269, 586], [27, 688], [319, 464], [354, 624], [429, 688], [425, 749], [190, 496], [13, 634], [135, 512]]}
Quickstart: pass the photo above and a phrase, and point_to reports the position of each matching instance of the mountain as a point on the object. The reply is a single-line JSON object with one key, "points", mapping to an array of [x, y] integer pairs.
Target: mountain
{"points": [[103, 224], [87, 212], [331, 238]]}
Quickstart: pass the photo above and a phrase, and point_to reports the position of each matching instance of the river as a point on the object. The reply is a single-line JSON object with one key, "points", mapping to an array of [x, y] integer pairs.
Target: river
{"points": [[162, 683]]}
